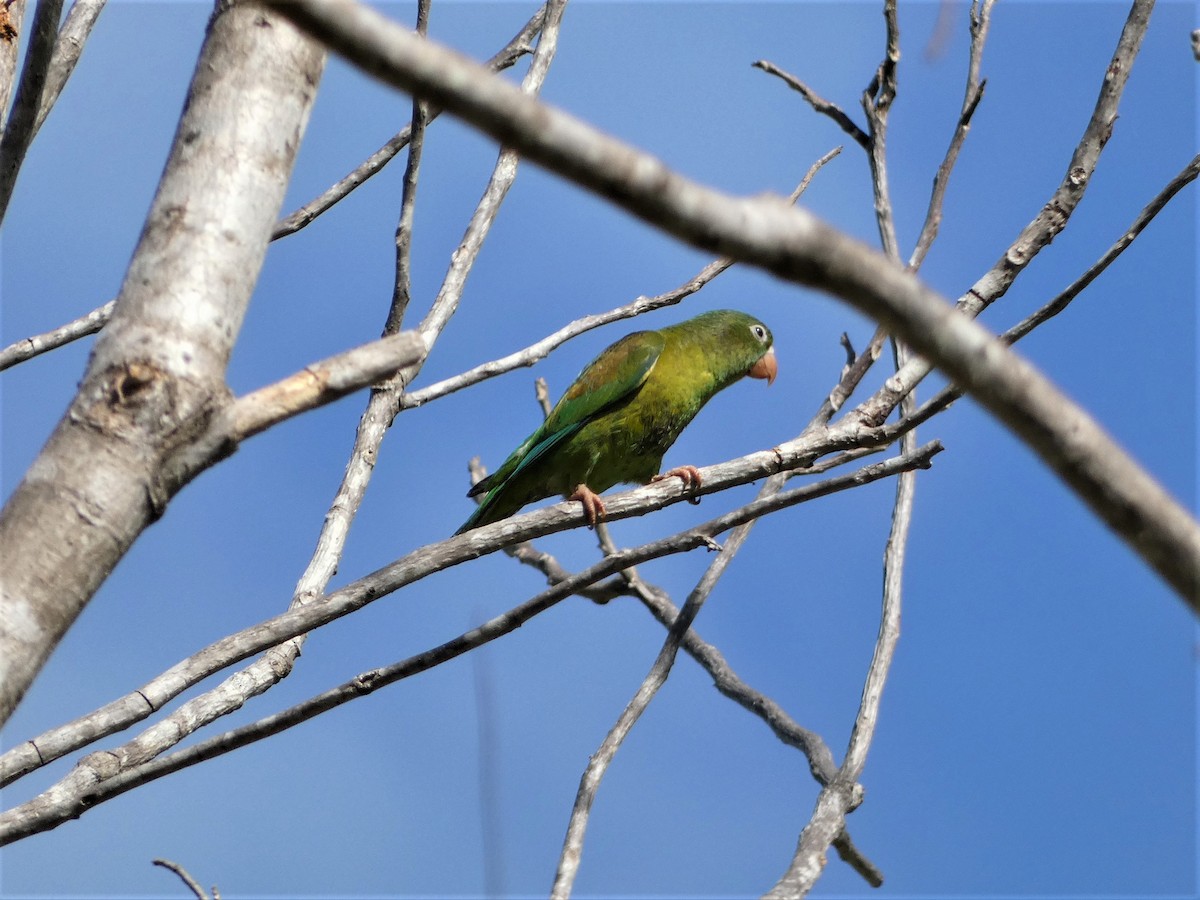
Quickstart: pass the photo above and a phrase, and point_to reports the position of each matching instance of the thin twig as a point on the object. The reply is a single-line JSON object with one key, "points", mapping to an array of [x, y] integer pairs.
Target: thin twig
{"points": [[877, 103], [981, 17], [1185, 177], [541, 393], [817, 102], [42, 343], [185, 877], [1053, 216], [402, 290], [520, 45], [843, 793], [598, 762], [725, 680], [822, 831]]}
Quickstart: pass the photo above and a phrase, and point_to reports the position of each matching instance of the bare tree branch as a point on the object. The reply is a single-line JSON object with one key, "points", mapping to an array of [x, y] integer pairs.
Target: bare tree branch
{"points": [[402, 288], [38, 344], [795, 245], [19, 128], [1061, 301], [1052, 218], [877, 103], [981, 19], [843, 793], [186, 877], [818, 835], [817, 102], [67, 50], [520, 45], [597, 765], [277, 664], [157, 373], [11, 16], [725, 680], [319, 383], [1185, 177], [102, 775], [307, 614]]}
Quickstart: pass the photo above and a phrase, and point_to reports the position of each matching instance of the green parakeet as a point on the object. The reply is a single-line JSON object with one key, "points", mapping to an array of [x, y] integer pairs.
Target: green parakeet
{"points": [[624, 411]]}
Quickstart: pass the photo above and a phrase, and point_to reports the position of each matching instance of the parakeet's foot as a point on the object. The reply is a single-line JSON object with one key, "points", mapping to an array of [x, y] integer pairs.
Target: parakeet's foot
{"points": [[593, 506], [689, 475]]}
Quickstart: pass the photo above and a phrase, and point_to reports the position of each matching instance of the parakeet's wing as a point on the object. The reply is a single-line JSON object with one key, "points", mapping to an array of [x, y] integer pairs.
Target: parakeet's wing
{"points": [[608, 380]]}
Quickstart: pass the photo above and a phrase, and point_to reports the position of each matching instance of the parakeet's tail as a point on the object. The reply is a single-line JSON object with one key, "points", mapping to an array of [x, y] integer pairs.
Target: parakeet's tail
{"points": [[489, 510], [475, 519]]}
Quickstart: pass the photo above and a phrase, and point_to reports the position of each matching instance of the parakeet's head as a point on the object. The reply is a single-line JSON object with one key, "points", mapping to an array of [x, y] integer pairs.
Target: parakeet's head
{"points": [[741, 340], [766, 365]]}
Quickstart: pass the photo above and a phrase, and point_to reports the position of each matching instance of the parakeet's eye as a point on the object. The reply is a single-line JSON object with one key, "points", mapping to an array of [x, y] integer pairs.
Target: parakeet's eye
{"points": [[759, 332]]}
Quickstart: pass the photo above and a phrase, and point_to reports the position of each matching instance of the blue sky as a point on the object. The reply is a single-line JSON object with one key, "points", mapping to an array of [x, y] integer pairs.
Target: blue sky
{"points": [[1038, 731]]}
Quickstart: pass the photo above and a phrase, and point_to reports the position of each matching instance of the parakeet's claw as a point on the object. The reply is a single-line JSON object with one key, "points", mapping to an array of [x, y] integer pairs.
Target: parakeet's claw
{"points": [[593, 506], [689, 475]]}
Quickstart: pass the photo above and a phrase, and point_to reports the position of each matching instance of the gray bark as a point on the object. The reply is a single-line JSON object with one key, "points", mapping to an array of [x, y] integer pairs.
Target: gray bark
{"points": [[157, 374]]}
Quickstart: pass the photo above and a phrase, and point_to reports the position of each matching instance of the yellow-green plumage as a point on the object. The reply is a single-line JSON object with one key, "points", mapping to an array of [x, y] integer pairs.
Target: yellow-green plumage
{"points": [[626, 408]]}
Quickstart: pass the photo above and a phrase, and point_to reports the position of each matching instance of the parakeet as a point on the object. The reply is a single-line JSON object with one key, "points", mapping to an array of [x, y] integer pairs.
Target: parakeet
{"points": [[623, 412]]}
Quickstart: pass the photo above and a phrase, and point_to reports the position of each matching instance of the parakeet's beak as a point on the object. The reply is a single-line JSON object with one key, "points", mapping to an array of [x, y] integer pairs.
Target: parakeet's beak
{"points": [[766, 367]]}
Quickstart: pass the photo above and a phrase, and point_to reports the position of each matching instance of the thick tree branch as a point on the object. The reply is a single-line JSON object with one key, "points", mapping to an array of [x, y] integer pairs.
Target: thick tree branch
{"points": [[318, 384], [157, 373], [277, 664], [797, 246], [1061, 301], [11, 17]]}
